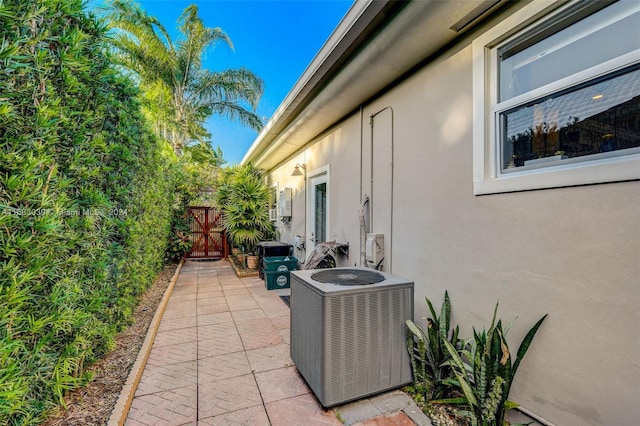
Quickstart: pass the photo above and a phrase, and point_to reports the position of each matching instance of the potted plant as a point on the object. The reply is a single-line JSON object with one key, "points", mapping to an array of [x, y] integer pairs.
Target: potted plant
{"points": [[243, 198]]}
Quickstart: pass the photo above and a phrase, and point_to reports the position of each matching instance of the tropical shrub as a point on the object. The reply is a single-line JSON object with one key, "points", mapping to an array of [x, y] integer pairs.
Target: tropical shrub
{"points": [[243, 198], [85, 196]]}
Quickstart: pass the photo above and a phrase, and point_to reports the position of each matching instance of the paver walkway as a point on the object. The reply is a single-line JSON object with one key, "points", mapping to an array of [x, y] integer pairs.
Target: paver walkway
{"points": [[221, 356]]}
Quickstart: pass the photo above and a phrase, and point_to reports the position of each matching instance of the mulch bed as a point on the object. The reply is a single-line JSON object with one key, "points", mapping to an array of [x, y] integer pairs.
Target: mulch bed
{"points": [[241, 270], [93, 404]]}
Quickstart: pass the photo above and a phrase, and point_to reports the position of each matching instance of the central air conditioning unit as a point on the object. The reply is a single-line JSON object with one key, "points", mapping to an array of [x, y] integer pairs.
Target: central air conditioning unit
{"points": [[348, 331]]}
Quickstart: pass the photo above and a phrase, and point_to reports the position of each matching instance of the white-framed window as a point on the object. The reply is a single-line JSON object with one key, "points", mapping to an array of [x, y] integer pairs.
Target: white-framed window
{"points": [[556, 91]]}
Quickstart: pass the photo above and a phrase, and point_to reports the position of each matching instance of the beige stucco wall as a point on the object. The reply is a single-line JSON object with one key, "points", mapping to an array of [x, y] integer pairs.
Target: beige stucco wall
{"points": [[572, 253]]}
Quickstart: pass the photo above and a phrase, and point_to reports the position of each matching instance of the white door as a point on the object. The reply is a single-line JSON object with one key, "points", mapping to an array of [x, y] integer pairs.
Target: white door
{"points": [[318, 212]]}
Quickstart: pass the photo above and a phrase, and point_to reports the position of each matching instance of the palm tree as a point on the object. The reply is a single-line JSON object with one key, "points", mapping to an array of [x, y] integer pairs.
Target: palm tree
{"points": [[243, 198], [178, 93]]}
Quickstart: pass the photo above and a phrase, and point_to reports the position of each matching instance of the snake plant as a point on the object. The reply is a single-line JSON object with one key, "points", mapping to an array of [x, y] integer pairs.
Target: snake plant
{"points": [[485, 372]]}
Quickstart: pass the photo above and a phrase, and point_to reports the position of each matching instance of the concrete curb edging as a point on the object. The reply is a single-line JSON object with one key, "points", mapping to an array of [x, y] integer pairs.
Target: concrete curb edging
{"points": [[121, 409]]}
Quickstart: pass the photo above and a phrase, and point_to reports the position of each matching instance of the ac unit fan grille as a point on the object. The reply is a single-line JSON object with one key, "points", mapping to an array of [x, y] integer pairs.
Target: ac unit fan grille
{"points": [[347, 277]]}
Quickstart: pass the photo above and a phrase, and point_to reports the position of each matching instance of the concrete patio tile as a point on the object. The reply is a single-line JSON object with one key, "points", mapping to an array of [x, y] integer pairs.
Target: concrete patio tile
{"points": [[253, 281], [258, 333], [213, 347], [173, 407], [269, 358], [357, 411], [173, 314], [273, 306], [182, 313], [421, 419], [187, 278], [209, 287], [394, 419], [174, 337], [248, 314], [181, 305], [183, 297], [212, 309], [233, 287], [220, 330], [208, 319], [240, 291], [175, 322], [229, 277], [206, 293], [202, 301], [286, 335], [282, 322], [165, 355], [282, 383], [259, 289], [300, 410], [162, 378], [252, 416], [228, 395], [266, 299], [184, 287], [208, 282], [220, 367], [391, 401], [241, 303]]}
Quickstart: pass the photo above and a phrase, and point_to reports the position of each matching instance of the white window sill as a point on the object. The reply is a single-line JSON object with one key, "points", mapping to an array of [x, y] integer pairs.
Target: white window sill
{"points": [[616, 169]]}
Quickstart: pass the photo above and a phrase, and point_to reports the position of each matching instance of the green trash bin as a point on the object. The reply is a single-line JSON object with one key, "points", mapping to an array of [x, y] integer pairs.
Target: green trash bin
{"points": [[276, 271], [277, 279], [279, 263]]}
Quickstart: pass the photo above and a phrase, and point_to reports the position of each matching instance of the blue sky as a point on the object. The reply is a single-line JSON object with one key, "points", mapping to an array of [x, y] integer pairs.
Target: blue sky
{"points": [[276, 39]]}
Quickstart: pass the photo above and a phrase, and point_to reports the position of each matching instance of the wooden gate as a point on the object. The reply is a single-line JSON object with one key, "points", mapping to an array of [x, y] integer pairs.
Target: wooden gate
{"points": [[208, 237]]}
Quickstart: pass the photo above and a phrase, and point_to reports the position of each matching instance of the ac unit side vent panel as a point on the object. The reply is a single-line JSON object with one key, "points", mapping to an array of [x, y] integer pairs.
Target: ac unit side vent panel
{"points": [[306, 335]]}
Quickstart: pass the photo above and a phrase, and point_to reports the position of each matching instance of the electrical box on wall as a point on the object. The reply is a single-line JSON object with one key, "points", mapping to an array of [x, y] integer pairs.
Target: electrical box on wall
{"points": [[284, 202], [374, 249]]}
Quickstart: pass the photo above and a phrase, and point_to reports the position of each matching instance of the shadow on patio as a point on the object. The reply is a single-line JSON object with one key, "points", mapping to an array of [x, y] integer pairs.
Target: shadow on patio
{"points": [[221, 356]]}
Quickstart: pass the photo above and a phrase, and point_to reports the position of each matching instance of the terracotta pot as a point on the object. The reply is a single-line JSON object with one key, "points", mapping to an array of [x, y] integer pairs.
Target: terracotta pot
{"points": [[252, 262]]}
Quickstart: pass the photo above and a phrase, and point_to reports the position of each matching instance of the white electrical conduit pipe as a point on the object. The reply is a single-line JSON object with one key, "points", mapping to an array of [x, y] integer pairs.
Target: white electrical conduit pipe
{"points": [[363, 230], [371, 121]]}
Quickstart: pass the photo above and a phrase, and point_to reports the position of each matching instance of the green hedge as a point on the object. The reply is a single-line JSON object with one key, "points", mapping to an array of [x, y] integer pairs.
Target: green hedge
{"points": [[86, 194]]}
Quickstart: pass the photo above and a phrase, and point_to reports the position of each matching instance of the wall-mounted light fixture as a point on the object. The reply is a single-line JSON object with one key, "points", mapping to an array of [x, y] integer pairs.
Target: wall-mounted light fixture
{"points": [[297, 171]]}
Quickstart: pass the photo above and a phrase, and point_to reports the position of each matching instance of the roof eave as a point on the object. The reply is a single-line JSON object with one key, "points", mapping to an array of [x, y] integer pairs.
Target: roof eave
{"points": [[354, 65]]}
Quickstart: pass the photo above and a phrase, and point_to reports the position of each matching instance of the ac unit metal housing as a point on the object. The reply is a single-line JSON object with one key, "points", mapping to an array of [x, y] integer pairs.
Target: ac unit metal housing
{"points": [[349, 341]]}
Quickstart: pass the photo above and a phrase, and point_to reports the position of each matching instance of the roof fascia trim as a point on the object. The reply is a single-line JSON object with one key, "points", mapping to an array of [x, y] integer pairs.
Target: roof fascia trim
{"points": [[357, 27]]}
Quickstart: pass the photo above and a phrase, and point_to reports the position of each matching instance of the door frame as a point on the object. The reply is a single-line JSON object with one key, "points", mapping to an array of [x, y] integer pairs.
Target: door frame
{"points": [[322, 172]]}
